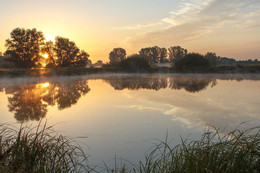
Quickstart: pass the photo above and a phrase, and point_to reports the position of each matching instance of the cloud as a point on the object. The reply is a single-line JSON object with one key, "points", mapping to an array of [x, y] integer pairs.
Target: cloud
{"points": [[196, 20], [135, 27], [214, 106]]}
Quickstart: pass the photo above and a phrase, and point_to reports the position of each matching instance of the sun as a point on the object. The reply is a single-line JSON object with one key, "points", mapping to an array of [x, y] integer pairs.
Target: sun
{"points": [[47, 84], [45, 55]]}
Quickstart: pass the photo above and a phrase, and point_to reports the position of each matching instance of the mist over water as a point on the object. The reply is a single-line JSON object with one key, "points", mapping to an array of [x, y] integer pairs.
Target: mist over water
{"points": [[123, 114]]}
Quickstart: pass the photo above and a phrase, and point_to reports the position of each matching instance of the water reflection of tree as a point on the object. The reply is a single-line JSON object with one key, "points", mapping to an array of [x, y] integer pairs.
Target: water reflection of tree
{"points": [[65, 95], [26, 102], [191, 84], [138, 83], [156, 83], [29, 102]]}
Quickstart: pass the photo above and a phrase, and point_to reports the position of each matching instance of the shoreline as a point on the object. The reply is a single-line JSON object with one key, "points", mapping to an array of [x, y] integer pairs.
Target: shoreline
{"points": [[73, 71]]}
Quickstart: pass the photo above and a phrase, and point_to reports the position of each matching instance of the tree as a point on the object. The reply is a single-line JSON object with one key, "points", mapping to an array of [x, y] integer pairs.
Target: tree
{"points": [[25, 45], [176, 53], [117, 55], [81, 59], [192, 62], [13, 58], [68, 54], [212, 57], [48, 48], [154, 54], [135, 63]]}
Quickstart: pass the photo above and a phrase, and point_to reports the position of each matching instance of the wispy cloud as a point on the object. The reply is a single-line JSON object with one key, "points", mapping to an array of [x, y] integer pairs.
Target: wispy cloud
{"points": [[198, 19], [140, 26]]}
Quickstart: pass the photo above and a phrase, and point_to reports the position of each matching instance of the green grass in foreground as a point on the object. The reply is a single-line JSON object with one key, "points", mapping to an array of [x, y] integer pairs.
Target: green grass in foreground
{"points": [[39, 149], [43, 150]]}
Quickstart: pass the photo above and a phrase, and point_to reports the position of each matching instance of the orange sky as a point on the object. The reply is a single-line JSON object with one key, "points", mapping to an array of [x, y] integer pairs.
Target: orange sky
{"points": [[229, 28]]}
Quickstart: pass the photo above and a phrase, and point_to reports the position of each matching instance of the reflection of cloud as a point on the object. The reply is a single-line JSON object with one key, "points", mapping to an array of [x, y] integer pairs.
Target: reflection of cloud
{"points": [[196, 20], [216, 106], [140, 107]]}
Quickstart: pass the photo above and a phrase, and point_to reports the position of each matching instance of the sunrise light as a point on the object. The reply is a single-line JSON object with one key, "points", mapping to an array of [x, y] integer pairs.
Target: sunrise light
{"points": [[47, 84], [45, 55]]}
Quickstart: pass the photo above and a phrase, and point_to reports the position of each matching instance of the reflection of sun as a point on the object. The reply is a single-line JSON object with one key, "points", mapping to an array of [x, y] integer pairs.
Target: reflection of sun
{"points": [[45, 55], [46, 84]]}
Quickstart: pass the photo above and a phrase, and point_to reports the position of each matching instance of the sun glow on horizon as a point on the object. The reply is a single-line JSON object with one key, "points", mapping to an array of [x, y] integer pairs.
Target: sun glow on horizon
{"points": [[47, 84], [49, 38], [45, 55]]}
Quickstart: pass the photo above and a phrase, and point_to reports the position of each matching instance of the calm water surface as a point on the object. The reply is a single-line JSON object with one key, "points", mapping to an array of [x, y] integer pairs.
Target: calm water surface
{"points": [[123, 115]]}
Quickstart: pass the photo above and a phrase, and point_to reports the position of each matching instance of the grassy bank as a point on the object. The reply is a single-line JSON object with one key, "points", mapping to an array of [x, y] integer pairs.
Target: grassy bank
{"points": [[41, 149], [69, 71]]}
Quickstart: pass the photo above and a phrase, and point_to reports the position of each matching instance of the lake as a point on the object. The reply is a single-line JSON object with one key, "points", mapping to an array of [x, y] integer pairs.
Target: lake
{"points": [[124, 115]]}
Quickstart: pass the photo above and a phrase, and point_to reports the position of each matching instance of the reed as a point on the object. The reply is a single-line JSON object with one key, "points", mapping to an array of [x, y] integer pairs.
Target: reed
{"points": [[216, 152], [39, 149]]}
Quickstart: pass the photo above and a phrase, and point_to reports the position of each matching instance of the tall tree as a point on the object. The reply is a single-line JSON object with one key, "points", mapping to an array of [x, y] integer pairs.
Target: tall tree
{"points": [[154, 54], [176, 53], [117, 55], [81, 59], [26, 46], [212, 58], [68, 54], [48, 49], [192, 62]]}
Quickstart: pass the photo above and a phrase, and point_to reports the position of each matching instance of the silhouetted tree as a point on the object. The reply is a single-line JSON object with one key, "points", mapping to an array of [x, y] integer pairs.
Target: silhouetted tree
{"points": [[48, 49], [117, 55], [135, 63], [163, 55], [26, 46], [193, 62], [13, 58], [212, 58], [154, 54], [81, 59], [176, 53], [226, 61], [68, 54]]}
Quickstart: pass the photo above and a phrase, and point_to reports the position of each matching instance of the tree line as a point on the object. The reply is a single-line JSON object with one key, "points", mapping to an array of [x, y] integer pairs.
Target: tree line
{"points": [[179, 57], [176, 55], [26, 48], [152, 54]]}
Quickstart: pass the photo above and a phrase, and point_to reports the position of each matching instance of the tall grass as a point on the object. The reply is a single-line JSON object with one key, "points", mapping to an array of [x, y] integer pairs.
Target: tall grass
{"points": [[39, 149], [237, 151], [216, 152]]}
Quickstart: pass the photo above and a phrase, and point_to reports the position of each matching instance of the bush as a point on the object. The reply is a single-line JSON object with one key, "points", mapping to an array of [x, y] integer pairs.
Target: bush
{"points": [[193, 62], [135, 63]]}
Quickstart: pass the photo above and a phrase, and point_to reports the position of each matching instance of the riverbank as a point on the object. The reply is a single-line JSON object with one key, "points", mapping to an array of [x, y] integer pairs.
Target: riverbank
{"points": [[46, 72], [41, 149]]}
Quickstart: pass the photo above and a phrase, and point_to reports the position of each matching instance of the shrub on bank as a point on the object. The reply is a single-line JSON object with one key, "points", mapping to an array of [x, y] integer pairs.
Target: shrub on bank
{"points": [[193, 62], [135, 63]]}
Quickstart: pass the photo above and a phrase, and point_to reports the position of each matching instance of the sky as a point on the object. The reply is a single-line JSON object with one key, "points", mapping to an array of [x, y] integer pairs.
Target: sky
{"points": [[231, 28]]}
